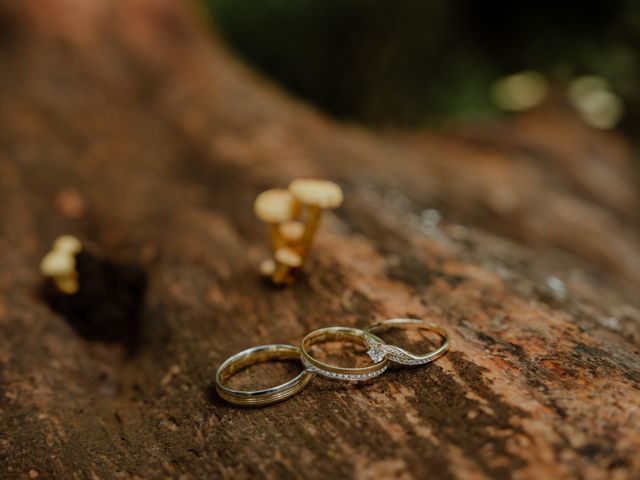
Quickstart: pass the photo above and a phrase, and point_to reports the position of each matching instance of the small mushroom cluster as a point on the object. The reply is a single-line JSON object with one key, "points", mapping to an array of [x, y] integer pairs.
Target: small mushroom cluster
{"points": [[60, 264], [293, 216]]}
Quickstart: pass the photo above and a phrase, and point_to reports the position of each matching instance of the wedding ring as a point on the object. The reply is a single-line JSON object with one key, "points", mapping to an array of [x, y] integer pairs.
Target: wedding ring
{"points": [[251, 356], [337, 334], [380, 349]]}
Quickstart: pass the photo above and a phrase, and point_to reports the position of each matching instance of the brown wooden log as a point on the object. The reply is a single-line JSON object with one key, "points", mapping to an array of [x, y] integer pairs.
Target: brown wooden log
{"points": [[125, 124]]}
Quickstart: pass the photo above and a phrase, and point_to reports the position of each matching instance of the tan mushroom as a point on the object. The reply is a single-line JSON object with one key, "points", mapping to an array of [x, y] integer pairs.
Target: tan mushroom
{"points": [[268, 267], [291, 232], [57, 264], [60, 264], [274, 207], [316, 195], [67, 243], [286, 259]]}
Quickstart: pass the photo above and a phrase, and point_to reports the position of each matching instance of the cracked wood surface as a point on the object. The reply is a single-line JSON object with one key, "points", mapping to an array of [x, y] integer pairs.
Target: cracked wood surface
{"points": [[126, 124]]}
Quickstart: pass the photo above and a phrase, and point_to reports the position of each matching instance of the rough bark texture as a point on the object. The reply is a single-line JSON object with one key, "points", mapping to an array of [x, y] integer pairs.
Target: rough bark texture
{"points": [[126, 124]]}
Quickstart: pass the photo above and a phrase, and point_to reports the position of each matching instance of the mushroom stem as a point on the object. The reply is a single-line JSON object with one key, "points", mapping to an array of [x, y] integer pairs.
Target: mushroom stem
{"points": [[67, 284], [281, 274], [276, 238], [312, 222]]}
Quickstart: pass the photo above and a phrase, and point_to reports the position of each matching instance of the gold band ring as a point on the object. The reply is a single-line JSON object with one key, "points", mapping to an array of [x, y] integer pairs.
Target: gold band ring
{"points": [[332, 334], [380, 349], [267, 396]]}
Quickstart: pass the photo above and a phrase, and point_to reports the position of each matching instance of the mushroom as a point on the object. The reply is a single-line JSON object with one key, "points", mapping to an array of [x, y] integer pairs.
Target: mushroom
{"points": [[60, 264], [267, 267], [291, 232], [68, 244], [274, 207], [286, 258], [57, 264], [316, 195]]}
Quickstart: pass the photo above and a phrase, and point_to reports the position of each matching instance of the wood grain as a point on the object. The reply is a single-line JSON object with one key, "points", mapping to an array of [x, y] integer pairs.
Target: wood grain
{"points": [[127, 124]]}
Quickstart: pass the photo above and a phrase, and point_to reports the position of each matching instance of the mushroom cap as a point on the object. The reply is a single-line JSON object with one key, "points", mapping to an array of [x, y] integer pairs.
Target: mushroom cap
{"points": [[67, 244], [288, 256], [267, 267], [275, 206], [319, 193], [57, 264], [291, 231]]}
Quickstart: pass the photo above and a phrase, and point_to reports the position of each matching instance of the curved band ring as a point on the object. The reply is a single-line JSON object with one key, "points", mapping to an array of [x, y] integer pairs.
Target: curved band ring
{"points": [[251, 356], [337, 334], [380, 349]]}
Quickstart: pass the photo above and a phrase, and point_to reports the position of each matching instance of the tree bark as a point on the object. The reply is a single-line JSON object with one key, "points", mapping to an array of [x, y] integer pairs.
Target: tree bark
{"points": [[126, 124]]}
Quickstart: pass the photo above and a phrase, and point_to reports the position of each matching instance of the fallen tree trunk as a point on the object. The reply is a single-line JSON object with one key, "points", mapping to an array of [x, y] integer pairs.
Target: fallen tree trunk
{"points": [[125, 124]]}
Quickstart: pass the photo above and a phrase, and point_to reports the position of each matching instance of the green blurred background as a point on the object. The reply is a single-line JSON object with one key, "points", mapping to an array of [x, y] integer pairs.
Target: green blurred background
{"points": [[435, 62]]}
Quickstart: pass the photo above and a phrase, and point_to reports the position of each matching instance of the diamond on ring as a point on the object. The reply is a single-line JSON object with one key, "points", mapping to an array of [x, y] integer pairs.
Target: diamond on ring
{"points": [[376, 353]]}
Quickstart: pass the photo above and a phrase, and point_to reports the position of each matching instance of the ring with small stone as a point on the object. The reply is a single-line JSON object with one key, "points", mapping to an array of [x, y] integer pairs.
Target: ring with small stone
{"points": [[380, 349], [338, 334], [267, 396]]}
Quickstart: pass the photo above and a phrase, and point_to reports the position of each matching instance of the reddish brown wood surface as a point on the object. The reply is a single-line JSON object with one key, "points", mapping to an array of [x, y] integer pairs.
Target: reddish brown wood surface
{"points": [[126, 124]]}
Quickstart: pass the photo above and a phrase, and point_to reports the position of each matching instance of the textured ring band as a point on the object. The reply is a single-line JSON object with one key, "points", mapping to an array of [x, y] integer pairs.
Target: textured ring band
{"points": [[267, 396], [380, 349], [333, 334]]}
